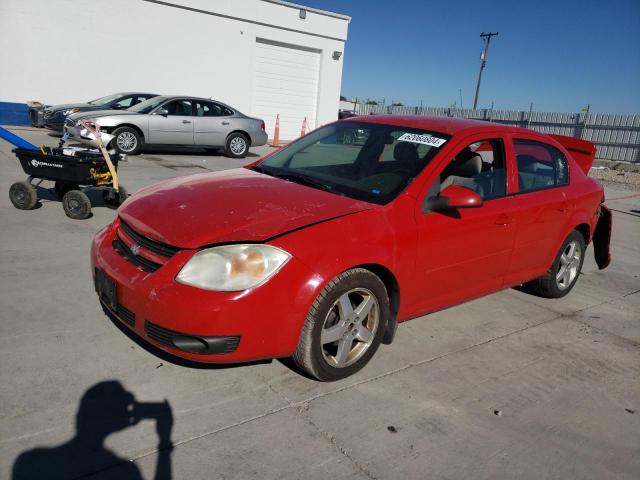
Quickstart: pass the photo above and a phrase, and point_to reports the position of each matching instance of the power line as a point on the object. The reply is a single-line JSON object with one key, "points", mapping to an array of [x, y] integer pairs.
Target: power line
{"points": [[486, 37]]}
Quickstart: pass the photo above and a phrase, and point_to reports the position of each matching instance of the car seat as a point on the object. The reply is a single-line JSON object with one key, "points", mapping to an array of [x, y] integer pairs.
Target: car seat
{"points": [[462, 170]]}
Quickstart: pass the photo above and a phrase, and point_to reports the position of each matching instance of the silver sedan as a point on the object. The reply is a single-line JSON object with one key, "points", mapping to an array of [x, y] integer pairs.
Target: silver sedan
{"points": [[174, 121]]}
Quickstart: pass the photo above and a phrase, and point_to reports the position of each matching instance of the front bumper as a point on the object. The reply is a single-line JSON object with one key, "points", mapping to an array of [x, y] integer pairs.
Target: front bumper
{"points": [[266, 321]]}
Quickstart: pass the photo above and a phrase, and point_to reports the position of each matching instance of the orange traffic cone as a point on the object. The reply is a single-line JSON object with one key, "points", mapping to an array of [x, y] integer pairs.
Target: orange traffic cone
{"points": [[276, 134], [303, 132]]}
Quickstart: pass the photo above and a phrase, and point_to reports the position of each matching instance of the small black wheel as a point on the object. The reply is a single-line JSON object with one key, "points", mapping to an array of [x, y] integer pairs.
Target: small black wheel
{"points": [[564, 272], [63, 187], [23, 195], [344, 326], [112, 199], [126, 140], [76, 205], [237, 145]]}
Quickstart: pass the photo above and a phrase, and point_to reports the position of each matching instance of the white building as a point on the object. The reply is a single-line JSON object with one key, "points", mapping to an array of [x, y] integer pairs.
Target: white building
{"points": [[264, 57]]}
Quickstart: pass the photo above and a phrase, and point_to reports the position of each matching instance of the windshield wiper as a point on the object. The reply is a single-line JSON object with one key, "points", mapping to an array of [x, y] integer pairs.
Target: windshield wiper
{"points": [[293, 177], [302, 179]]}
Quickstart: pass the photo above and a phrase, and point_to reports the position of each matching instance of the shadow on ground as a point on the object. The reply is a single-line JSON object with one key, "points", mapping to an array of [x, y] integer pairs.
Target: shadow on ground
{"points": [[105, 408]]}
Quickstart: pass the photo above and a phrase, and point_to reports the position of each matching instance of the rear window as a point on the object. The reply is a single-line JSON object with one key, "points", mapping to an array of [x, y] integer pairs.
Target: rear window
{"points": [[540, 166]]}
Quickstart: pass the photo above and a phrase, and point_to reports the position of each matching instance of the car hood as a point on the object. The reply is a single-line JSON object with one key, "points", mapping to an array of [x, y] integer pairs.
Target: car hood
{"points": [[99, 113], [66, 106], [231, 206]]}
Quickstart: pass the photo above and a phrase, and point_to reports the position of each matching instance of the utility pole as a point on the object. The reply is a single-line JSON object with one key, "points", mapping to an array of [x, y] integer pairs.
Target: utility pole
{"points": [[486, 37], [460, 93]]}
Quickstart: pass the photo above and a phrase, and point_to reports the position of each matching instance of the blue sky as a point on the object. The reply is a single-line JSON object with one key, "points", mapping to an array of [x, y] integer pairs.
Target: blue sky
{"points": [[559, 54]]}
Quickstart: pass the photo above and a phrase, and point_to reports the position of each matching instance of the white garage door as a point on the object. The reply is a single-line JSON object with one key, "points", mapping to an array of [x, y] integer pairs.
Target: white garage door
{"points": [[285, 82]]}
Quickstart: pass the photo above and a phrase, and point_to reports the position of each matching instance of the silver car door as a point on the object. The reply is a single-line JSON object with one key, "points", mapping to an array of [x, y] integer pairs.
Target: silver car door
{"points": [[172, 123], [210, 127]]}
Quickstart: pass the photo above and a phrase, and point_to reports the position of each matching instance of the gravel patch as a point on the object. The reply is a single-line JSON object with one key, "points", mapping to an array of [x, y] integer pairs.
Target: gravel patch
{"points": [[616, 178]]}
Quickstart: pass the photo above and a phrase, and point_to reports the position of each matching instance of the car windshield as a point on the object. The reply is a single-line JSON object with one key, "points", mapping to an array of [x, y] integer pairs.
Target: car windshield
{"points": [[367, 161], [104, 100], [147, 105]]}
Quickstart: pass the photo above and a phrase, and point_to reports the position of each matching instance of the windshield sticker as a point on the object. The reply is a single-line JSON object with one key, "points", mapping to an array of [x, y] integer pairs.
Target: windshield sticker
{"points": [[423, 139]]}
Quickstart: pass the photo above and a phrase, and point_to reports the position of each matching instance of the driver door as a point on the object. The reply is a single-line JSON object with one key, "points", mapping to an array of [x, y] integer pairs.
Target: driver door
{"points": [[174, 128], [465, 252]]}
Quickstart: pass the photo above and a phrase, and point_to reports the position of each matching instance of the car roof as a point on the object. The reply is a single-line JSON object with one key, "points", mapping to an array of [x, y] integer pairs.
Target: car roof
{"points": [[448, 125]]}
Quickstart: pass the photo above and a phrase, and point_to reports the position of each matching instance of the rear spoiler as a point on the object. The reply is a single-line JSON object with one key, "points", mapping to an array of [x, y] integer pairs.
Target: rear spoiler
{"points": [[583, 152]]}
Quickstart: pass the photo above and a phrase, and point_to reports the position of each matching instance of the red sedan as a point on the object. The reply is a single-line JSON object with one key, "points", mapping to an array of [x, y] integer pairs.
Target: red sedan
{"points": [[319, 249]]}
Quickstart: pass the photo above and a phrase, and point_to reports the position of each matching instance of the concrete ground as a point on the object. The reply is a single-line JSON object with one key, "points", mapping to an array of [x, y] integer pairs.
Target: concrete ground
{"points": [[507, 386]]}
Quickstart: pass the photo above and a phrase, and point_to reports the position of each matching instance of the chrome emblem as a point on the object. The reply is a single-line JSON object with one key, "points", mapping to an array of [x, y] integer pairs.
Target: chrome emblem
{"points": [[135, 249]]}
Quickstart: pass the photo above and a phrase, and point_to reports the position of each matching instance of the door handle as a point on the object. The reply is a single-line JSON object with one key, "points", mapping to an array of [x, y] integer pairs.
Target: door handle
{"points": [[564, 206], [225, 123], [186, 121], [503, 220]]}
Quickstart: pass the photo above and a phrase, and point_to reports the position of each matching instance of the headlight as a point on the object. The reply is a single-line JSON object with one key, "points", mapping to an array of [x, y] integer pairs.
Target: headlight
{"points": [[70, 111], [232, 268]]}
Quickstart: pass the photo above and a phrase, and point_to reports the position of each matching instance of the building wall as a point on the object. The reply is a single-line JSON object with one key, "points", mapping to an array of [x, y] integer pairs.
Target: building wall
{"points": [[65, 50]]}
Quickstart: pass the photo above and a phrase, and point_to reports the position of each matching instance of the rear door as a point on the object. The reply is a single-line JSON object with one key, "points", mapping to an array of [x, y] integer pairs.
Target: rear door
{"points": [[211, 123], [174, 128], [544, 207]]}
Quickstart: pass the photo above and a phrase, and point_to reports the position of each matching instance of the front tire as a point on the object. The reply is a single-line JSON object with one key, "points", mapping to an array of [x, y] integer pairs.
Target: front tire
{"points": [[344, 326], [563, 274], [237, 145], [76, 205], [23, 195], [126, 140]]}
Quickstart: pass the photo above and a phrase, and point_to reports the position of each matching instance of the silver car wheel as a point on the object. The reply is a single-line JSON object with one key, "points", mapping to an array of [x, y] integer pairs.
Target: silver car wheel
{"points": [[350, 327], [238, 145], [126, 141], [568, 265]]}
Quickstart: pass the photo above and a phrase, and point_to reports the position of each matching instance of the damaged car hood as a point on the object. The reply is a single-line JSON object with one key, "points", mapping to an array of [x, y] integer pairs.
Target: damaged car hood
{"points": [[231, 206]]}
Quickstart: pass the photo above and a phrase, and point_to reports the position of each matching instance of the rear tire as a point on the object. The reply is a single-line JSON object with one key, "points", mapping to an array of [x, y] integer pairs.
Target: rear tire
{"points": [[237, 145], [565, 269], [63, 187], [76, 205], [344, 326], [23, 195], [126, 140]]}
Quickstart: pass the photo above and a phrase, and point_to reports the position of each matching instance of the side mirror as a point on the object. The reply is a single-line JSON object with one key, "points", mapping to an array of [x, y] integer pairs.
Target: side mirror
{"points": [[453, 197], [162, 111]]}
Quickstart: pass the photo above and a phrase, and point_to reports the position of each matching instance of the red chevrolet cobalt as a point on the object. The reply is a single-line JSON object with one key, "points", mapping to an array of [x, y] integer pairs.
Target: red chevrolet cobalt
{"points": [[318, 250]]}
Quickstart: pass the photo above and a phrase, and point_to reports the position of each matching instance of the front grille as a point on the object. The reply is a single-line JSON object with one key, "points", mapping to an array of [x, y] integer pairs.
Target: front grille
{"points": [[144, 263], [165, 336], [158, 248], [126, 315]]}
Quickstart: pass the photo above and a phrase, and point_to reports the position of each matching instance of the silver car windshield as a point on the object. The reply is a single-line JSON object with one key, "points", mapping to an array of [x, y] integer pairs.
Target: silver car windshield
{"points": [[147, 105], [105, 100], [367, 161]]}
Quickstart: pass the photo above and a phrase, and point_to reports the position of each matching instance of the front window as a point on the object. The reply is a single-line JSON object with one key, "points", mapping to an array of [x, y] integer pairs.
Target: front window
{"points": [[148, 105], [104, 100], [367, 161]]}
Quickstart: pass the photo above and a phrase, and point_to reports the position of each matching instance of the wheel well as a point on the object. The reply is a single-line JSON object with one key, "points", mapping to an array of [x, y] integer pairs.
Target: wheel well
{"points": [[583, 228], [248, 137], [390, 283]]}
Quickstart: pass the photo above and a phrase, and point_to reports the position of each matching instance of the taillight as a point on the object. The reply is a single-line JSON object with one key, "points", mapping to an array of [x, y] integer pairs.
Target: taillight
{"points": [[262, 125]]}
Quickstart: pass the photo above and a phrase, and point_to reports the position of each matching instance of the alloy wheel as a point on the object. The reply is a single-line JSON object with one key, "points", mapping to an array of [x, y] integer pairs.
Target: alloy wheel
{"points": [[238, 145], [568, 265], [350, 327], [126, 141]]}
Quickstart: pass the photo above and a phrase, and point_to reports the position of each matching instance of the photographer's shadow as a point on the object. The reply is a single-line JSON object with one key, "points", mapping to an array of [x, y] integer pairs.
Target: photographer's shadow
{"points": [[105, 408]]}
